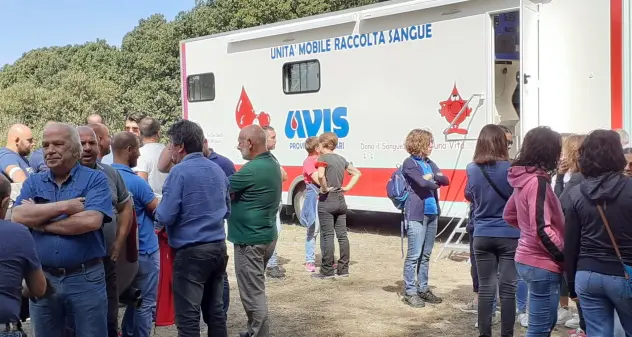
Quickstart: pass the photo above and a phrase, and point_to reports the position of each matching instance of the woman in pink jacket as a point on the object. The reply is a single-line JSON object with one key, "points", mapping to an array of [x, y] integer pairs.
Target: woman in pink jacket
{"points": [[535, 209]]}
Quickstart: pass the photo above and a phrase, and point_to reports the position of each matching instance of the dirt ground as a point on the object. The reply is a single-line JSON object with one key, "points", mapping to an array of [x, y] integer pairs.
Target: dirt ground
{"points": [[368, 303]]}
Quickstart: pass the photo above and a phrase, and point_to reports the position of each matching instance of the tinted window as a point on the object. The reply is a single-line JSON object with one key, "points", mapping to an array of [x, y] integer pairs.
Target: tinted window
{"points": [[201, 87], [301, 77]]}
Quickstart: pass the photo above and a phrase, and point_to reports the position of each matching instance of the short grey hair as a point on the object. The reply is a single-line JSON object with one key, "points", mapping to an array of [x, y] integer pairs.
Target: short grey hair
{"points": [[74, 139], [624, 135]]}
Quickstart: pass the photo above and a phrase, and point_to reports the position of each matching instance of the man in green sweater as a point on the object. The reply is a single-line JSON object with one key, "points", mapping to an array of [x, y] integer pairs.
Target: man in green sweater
{"points": [[255, 194]]}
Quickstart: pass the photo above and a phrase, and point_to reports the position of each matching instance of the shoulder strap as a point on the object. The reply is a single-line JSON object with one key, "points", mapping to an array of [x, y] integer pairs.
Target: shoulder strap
{"points": [[605, 222], [491, 183]]}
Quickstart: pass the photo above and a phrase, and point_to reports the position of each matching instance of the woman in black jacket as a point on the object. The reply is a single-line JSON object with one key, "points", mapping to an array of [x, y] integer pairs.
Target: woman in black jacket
{"points": [[594, 272]]}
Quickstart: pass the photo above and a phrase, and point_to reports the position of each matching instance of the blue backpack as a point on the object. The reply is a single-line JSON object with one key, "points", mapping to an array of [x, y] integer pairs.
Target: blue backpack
{"points": [[397, 189]]}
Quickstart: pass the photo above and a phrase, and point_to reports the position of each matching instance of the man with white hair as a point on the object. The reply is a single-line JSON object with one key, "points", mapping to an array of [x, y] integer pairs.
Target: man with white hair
{"points": [[625, 137], [66, 208]]}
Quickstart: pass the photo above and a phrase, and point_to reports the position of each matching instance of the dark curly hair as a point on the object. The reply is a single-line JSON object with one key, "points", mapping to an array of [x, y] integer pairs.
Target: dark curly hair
{"points": [[600, 153], [541, 149]]}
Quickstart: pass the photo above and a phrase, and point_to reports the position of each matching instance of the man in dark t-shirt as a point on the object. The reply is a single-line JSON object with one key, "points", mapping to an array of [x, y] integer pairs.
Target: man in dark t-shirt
{"points": [[18, 261]]}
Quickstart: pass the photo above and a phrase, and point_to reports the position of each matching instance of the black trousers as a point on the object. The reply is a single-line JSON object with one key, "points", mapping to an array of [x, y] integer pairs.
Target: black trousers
{"points": [[332, 215], [198, 288], [495, 263]]}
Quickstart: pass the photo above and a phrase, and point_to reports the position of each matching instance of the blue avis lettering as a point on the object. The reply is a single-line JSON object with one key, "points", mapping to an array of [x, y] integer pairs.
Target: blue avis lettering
{"points": [[309, 123]]}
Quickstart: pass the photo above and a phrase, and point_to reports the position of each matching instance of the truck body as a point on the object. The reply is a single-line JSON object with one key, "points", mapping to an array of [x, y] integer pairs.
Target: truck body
{"points": [[371, 74]]}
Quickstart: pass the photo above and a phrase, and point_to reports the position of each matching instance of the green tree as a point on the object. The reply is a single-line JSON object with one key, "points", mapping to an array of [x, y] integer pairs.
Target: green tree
{"points": [[141, 77]]}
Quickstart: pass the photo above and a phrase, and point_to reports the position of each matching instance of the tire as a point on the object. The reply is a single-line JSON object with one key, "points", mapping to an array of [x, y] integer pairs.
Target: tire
{"points": [[297, 201]]}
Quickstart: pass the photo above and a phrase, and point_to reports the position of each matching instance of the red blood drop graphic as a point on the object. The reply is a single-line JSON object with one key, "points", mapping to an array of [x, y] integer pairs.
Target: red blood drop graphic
{"points": [[294, 123], [264, 119], [244, 112], [450, 109]]}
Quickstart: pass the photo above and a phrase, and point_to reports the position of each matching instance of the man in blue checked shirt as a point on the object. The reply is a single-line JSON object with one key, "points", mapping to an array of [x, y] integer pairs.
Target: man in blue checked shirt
{"points": [[165, 164], [125, 149], [66, 208], [195, 202]]}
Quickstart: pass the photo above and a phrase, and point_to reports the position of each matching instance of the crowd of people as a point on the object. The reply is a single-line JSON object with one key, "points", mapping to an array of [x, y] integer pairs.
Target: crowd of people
{"points": [[552, 224], [547, 227], [86, 196]]}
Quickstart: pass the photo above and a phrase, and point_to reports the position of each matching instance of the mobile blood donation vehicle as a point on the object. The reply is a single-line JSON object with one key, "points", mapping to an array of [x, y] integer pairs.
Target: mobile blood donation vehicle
{"points": [[371, 74]]}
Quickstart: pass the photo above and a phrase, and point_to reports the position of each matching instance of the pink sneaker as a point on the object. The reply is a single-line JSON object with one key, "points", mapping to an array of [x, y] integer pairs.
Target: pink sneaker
{"points": [[310, 267]]}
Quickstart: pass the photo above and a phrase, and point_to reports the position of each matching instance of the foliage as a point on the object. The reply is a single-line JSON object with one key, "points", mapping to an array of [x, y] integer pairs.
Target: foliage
{"points": [[142, 77]]}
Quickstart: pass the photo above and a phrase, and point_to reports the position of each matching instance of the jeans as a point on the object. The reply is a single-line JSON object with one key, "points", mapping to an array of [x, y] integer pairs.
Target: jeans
{"points": [[137, 322], [310, 241], [111, 291], [226, 295], [496, 272], [198, 286], [332, 215], [421, 238], [274, 262], [250, 263], [522, 292], [600, 296], [544, 297], [80, 296]]}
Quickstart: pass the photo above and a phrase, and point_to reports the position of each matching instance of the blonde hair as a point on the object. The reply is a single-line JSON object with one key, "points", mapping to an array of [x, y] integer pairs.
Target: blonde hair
{"points": [[311, 145], [418, 141], [570, 149], [328, 140]]}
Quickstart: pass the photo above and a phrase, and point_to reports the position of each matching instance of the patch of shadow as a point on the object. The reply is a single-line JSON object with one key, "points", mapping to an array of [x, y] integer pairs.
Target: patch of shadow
{"points": [[394, 288]]}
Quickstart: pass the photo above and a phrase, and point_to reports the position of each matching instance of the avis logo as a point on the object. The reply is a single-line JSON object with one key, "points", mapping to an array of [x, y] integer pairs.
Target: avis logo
{"points": [[309, 123], [245, 114], [449, 110]]}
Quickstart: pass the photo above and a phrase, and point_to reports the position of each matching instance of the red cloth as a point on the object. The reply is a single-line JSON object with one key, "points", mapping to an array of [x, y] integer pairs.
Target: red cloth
{"points": [[165, 311]]}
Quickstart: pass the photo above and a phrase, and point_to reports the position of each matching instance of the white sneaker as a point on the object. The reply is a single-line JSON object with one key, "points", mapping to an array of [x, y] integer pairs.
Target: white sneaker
{"points": [[563, 315], [572, 323], [523, 319]]}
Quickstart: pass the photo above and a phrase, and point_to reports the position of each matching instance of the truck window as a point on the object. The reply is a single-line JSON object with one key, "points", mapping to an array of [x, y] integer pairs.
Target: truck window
{"points": [[201, 87], [301, 77]]}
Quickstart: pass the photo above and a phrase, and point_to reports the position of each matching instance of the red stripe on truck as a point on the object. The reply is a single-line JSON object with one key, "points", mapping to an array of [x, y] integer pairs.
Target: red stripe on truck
{"points": [[616, 63], [373, 182]]}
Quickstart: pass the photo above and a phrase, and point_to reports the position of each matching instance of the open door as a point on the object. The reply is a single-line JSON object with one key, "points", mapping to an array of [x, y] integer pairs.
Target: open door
{"points": [[528, 78]]}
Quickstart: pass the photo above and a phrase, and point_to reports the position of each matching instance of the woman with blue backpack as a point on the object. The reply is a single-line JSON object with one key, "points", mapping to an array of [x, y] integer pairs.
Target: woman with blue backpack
{"points": [[494, 241], [421, 214]]}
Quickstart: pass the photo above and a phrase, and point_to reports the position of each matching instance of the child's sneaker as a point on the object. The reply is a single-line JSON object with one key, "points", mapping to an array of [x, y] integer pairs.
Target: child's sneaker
{"points": [[573, 323], [523, 319], [310, 267], [576, 333]]}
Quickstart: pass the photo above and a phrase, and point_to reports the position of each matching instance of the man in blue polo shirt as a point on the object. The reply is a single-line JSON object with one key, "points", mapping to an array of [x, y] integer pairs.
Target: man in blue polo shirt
{"points": [[125, 149], [18, 261], [66, 208], [226, 164], [13, 162], [195, 202]]}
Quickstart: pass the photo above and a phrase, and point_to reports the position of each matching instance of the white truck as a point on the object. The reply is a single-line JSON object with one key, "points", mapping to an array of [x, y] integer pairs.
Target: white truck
{"points": [[371, 74]]}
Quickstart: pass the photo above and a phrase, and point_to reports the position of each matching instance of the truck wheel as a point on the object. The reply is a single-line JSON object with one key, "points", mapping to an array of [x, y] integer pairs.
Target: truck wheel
{"points": [[298, 200]]}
